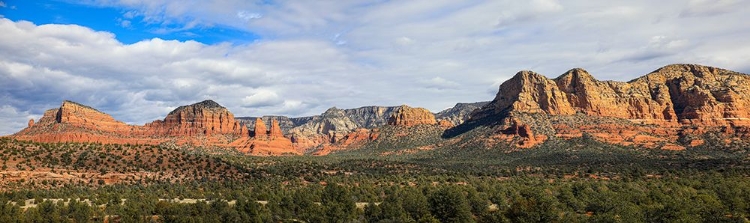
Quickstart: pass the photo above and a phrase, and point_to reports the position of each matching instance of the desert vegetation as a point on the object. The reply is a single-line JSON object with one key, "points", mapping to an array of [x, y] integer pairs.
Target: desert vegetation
{"points": [[565, 181]]}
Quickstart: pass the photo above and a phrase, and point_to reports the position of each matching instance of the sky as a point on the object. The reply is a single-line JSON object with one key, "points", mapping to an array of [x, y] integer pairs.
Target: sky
{"points": [[139, 59]]}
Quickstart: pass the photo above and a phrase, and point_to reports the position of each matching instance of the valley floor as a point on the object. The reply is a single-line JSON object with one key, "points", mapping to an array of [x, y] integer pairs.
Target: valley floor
{"points": [[572, 181]]}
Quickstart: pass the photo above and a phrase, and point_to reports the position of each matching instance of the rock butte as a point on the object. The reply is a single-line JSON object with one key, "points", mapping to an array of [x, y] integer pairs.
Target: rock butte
{"points": [[408, 116], [669, 108], [202, 124]]}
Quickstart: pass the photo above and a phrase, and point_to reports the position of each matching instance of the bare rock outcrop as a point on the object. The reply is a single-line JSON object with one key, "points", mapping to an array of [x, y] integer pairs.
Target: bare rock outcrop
{"points": [[203, 118], [266, 142], [459, 113], [658, 105], [329, 128], [275, 131], [260, 130], [73, 122], [202, 124], [408, 116]]}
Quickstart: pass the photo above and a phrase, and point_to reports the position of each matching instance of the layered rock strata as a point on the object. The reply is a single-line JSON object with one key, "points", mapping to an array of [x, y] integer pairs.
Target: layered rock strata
{"points": [[658, 106], [201, 124], [408, 116]]}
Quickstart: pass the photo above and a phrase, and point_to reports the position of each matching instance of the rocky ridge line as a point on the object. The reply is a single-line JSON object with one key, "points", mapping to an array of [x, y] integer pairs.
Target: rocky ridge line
{"points": [[656, 108]]}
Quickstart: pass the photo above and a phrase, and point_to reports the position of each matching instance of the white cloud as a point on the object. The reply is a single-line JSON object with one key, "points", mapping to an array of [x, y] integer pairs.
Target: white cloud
{"points": [[317, 54], [247, 16], [11, 116], [262, 98]]}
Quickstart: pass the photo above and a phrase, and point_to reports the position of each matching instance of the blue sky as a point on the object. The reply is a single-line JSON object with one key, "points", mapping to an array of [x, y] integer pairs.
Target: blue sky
{"points": [[139, 59], [127, 25]]}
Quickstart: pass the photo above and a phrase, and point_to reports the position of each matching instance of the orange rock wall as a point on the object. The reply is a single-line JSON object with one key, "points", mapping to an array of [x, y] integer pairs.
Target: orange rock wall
{"points": [[408, 116], [684, 94], [659, 105], [201, 124]]}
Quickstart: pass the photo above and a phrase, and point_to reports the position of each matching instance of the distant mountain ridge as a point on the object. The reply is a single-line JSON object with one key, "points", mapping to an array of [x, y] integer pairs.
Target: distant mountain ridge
{"points": [[363, 117], [672, 108]]}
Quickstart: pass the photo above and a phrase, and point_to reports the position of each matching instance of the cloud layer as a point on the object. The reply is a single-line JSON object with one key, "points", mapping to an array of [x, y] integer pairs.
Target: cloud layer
{"points": [[317, 54]]}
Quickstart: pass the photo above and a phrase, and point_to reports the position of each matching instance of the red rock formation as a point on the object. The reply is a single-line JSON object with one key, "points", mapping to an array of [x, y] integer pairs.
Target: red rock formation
{"points": [[73, 122], [203, 118], [445, 124], [355, 138], [408, 116], [520, 134], [275, 131], [658, 105], [31, 123], [690, 94], [202, 124], [265, 146], [244, 131], [266, 143], [260, 129]]}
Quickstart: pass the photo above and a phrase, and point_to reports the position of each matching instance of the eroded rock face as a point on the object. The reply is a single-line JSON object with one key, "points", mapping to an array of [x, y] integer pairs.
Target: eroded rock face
{"points": [[459, 113], [203, 118], [408, 116], [330, 128], [370, 117], [265, 142], [338, 129], [667, 99], [202, 124], [260, 130], [688, 94], [73, 122], [275, 131]]}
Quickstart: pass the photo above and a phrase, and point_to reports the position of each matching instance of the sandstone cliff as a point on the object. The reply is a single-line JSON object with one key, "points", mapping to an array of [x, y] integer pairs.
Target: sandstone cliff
{"points": [[266, 143], [201, 124], [657, 107], [73, 122], [202, 118], [408, 116]]}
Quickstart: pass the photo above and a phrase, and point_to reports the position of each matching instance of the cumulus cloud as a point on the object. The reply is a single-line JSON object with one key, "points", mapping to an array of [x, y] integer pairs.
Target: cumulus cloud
{"points": [[312, 55], [262, 98], [140, 82]]}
